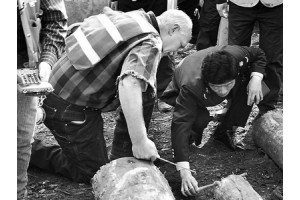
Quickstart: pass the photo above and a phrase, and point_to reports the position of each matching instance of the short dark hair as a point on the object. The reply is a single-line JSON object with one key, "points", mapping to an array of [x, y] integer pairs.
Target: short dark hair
{"points": [[219, 67]]}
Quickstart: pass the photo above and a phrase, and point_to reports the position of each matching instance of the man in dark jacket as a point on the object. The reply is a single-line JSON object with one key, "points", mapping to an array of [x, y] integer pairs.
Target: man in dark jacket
{"points": [[216, 76]]}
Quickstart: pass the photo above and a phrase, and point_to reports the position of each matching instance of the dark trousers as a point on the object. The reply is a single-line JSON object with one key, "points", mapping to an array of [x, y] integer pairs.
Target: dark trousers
{"points": [[156, 6], [121, 145], [189, 6], [201, 122], [164, 73], [208, 25], [81, 148], [270, 20]]}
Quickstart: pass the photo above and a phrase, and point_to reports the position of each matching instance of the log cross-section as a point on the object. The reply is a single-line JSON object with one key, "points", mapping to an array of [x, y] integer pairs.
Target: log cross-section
{"points": [[129, 178]]}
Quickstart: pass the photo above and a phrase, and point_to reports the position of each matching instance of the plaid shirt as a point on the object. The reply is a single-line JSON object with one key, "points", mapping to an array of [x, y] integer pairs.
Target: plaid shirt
{"points": [[87, 75], [52, 35]]}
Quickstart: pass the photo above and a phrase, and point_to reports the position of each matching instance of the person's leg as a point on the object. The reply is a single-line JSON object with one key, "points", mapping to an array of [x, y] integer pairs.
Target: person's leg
{"points": [[128, 5], [208, 26], [156, 6], [189, 8], [121, 145], [164, 75], [200, 124], [81, 148], [241, 21], [271, 41], [26, 111], [236, 116], [203, 40]]}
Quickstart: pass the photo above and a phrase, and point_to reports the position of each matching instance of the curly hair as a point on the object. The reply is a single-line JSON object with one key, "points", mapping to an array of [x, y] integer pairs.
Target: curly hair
{"points": [[219, 67]]}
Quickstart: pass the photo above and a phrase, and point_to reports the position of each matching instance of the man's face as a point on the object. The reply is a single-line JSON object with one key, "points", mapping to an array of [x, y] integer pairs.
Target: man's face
{"points": [[222, 90], [174, 40]]}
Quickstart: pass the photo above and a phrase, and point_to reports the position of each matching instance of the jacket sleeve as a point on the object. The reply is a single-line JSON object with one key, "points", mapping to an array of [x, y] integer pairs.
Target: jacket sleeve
{"points": [[257, 59], [184, 115], [53, 31]]}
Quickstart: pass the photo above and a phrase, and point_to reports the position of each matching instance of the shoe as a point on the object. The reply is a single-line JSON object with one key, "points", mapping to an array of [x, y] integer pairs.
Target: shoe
{"points": [[195, 138], [226, 138], [198, 140], [163, 107]]}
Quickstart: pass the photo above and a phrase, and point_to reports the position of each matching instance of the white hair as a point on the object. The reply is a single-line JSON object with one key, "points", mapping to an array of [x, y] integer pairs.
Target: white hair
{"points": [[174, 16]]}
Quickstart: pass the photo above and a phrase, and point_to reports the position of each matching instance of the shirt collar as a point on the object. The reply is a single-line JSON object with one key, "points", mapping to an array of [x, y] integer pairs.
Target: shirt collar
{"points": [[153, 21]]}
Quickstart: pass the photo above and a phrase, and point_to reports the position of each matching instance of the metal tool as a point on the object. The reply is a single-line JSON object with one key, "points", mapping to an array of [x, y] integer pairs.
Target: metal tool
{"points": [[207, 186], [176, 165]]}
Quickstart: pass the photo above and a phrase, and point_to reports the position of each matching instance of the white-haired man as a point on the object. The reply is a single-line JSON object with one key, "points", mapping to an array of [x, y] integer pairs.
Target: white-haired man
{"points": [[111, 58]]}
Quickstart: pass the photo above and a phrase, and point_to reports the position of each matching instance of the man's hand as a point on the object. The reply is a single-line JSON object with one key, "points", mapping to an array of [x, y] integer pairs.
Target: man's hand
{"points": [[189, 185], [145, 149], [44, 71], [254, 90], [222, 9]]}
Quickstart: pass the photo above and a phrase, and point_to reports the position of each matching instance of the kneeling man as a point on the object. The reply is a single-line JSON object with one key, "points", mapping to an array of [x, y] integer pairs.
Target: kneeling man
{"points": [[206, 79]]}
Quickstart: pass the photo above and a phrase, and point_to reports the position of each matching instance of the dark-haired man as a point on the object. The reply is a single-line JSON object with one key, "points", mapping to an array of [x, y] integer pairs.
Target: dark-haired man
{"points": [[206, 79]]}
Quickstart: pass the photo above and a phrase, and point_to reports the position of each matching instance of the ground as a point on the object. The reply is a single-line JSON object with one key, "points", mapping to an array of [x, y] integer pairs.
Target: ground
{"points": [[211, 160]]}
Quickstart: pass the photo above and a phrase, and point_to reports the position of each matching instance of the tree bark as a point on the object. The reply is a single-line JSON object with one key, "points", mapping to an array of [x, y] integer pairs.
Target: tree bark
{"points": [[267, 132], [129, 178], [235, 187]]}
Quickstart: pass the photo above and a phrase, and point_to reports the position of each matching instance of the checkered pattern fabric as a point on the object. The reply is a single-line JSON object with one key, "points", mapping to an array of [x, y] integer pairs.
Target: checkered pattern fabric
{"points": [[83, 80], [54, 30]]}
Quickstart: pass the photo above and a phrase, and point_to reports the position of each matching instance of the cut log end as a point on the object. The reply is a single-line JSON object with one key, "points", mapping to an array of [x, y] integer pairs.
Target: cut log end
{"points": [[235, 187], [129, 178]]}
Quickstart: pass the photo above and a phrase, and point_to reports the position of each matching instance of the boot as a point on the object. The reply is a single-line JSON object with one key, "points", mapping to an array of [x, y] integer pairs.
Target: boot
{"points": [[163, 107], [226, 137]]}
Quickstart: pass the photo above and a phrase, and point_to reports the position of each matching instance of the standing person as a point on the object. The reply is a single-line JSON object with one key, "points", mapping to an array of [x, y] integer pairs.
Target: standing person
{"points": [[52, 42], [207, 79], [208, 25], [111, 58], [268, 14], [166, 65], [192, 9]]}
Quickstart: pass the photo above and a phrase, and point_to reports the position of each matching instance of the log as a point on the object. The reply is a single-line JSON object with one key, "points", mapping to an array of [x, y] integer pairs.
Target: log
{"points": [[128, 178], [235, 187], [78, 10], [267, 133]]}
